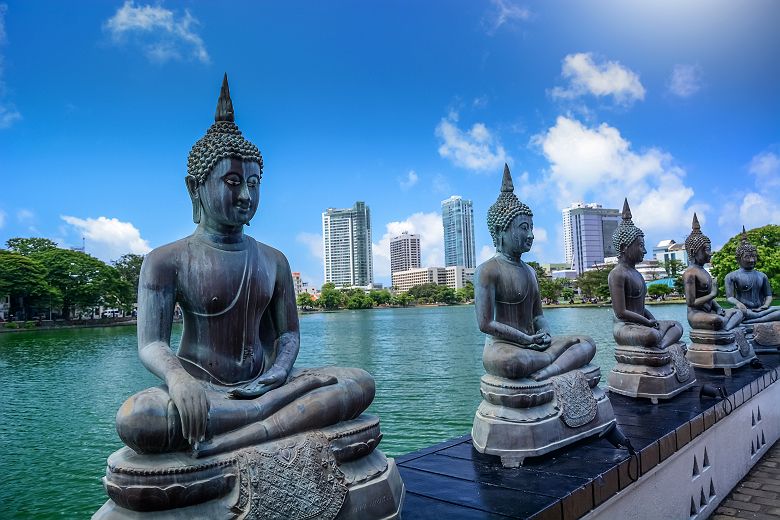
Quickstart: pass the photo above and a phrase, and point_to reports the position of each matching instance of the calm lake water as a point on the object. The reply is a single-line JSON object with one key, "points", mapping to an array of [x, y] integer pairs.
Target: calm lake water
{"points": [[61, 389]]}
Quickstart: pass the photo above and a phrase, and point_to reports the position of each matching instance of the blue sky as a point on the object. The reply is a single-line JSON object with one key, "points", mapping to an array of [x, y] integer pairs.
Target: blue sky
{"points": [[400, 104]]}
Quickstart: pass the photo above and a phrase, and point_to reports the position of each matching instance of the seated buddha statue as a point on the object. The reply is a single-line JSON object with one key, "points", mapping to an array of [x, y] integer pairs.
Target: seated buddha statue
{"points": [[540, 391], [509, 306], [748, 289], [635, 325], [700, 290], [231, 384], [650, 357], [750, 292], [717, 341]]}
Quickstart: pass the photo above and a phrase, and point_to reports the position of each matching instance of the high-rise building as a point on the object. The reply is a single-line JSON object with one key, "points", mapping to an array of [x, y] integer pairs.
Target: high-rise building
{"points": [[404, 252], [457, 217], [587, 234], [346, 243]]}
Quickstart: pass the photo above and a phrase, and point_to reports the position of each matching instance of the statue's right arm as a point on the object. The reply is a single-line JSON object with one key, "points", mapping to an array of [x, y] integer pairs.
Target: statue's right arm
{"points": [[730, 295], [156, 302], [689, 281], [485, 301]]}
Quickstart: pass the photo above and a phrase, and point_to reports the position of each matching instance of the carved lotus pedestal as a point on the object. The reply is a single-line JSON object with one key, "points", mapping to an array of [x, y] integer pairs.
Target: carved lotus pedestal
{"points": [[333, 473], [763, 337], [525, 418], [651, 372], [726, 349]]}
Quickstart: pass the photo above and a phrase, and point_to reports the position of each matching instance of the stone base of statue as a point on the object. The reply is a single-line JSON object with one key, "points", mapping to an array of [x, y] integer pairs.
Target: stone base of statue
{"points": [[332, 473], [724, 349], [525, 418], [651, 373], [763, 337]]}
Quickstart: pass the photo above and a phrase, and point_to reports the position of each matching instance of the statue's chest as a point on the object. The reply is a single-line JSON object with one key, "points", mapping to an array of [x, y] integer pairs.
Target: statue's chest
{"points": [[744, 282], [516, 285], [635, 285], [222, 282]]}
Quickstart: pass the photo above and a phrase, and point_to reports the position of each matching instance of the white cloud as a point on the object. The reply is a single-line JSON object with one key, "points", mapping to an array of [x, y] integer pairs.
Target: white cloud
{"points": [[480, 102], [766, 167], [685, 80], [598, 163], [476, 149], [608, 78], [109, 238], [758, 210], [160, 32], [485, 254], [313, 241], [760, 205], [427, 225], [2, 218], [504, 12], [8, 113], [410, 180], [24, 215]]}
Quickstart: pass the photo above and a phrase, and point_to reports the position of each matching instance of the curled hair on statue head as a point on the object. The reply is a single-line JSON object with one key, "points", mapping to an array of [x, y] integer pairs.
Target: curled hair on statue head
{"points": [[744, 247], [626, 232], [223, 140], [696, 240], [505, 209]]}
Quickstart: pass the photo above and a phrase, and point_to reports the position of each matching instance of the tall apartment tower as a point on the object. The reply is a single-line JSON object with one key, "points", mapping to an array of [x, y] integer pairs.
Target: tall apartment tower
{"points": [[457, 217], [404, 252], [346, 243], [587, 234]]}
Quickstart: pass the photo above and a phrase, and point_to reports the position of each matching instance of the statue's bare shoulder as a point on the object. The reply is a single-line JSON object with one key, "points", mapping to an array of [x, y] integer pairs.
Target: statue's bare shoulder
{"points": [[271, 258], [487, 272], [162, 263]]}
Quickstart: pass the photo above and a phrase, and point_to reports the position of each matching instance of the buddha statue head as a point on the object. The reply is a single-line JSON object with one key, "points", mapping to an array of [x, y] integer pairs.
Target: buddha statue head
{"points": [[510, 221], [224, 170], [629, 240], [747, 254], [698, 245]]}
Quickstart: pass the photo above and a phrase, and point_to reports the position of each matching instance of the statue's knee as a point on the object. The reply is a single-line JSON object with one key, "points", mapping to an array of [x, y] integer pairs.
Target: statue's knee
{"points": [[588, 347], [144, 423], [367, 385]]}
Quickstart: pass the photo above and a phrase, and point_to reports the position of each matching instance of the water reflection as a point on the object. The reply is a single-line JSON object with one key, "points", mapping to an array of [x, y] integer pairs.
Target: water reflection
{"points": [[61, 390]]}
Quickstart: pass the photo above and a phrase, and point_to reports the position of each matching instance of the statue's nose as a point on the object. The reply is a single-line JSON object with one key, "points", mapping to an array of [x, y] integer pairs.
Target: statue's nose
{"points": [[244, 195]]}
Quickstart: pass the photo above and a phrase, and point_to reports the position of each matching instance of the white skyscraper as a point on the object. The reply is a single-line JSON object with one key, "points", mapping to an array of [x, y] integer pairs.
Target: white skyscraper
{"points": [[587, 234], [457, 216], [346, 242], [404, 252]]}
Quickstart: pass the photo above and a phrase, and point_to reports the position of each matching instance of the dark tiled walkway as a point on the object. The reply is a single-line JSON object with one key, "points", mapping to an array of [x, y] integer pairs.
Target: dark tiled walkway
{"points": [[452, 480], [758, 495]]}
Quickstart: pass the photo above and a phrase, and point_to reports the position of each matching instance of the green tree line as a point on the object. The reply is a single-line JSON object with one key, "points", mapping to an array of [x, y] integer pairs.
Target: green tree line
{"points": [[332, 298], [43, 279]]}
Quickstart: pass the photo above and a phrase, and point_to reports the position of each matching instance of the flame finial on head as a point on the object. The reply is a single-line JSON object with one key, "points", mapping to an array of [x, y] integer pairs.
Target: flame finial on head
{"points": [[507, 186], [224, 103], [696, 239], [626, 232], [744, 246], [506, 207]]}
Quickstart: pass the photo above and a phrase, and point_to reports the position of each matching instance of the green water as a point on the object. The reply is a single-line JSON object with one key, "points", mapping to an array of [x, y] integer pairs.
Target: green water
{"points": [[61, 390]]}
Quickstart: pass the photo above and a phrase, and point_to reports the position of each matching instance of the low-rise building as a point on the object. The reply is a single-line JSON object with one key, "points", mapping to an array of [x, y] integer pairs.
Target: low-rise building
{"points": [[667, 250], [454, 276]]}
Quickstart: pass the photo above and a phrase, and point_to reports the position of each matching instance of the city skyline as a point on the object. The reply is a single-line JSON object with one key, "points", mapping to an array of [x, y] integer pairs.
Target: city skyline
{"points": [[672, 105]]}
